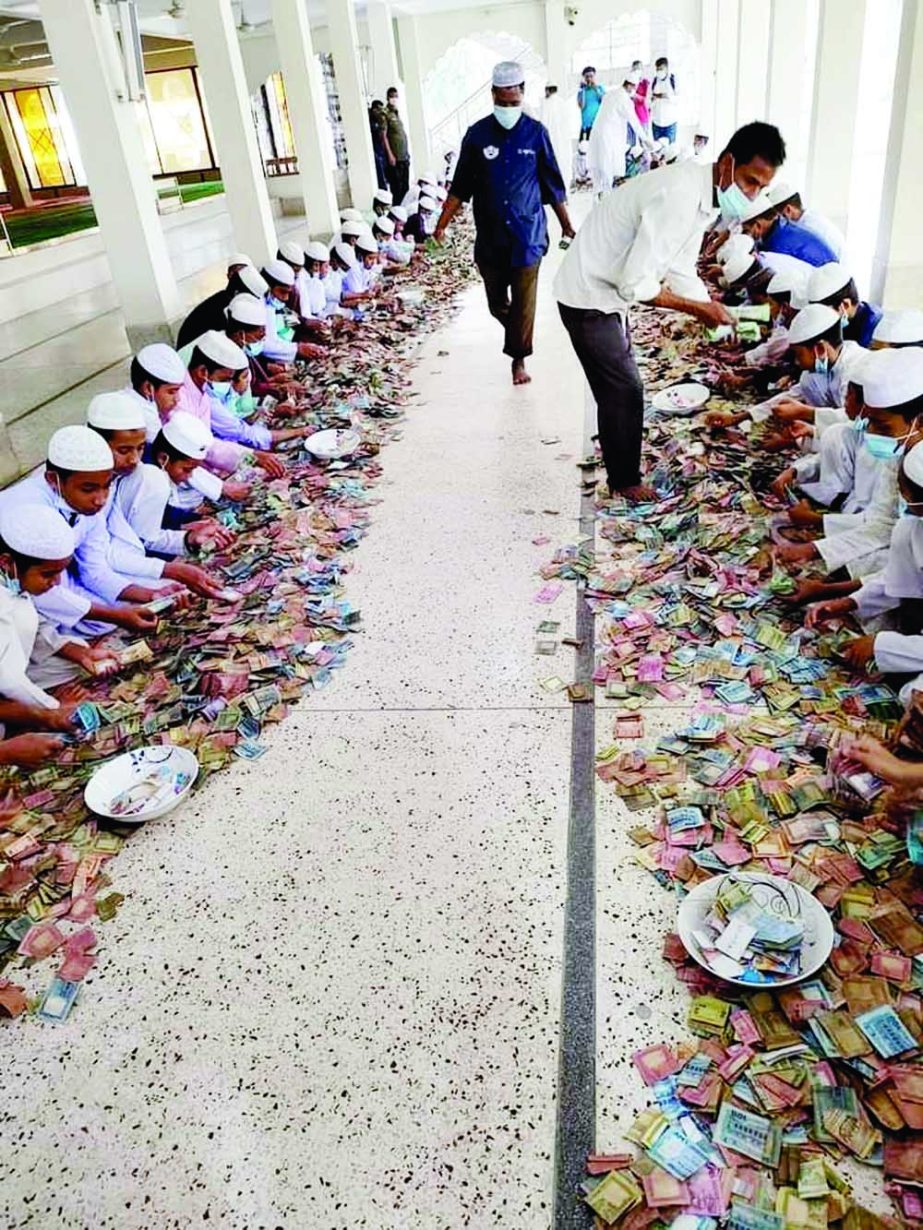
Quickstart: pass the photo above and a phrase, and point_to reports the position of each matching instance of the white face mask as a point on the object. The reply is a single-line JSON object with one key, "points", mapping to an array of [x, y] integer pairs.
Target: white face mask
{"points": [[507, 117]]}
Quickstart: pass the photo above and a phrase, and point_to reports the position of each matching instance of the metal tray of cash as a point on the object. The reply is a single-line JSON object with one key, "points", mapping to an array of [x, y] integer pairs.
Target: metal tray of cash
{"points": [[143, 784], [778, 897], [681, 399], [332, 444]]}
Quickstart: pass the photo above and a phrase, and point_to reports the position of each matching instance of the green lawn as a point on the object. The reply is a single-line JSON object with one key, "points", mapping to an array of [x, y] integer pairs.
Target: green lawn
{"points": [[53, 221]]}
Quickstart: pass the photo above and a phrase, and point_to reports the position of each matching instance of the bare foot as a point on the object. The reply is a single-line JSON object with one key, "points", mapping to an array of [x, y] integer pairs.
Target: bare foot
{"points": [[640, 493], [520, 375]]}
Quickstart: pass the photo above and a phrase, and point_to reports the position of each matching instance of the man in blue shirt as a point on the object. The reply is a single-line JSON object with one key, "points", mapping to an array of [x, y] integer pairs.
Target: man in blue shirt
{"points": [[771, 232], [507, 165], [589, 98]]}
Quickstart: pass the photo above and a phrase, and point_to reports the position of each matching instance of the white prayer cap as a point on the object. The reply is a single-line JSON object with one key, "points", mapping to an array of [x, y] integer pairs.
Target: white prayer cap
{"points": [[783, 283], [428, 178], [116, 412], [162, 362], [904, 328], [912, 465], [345, 253], [385, 225], [278, 273], [739, 264], [79, 448], [826, 280], [221, 350], [36, 530], [398, 212], [366, 244], [291, 252], [354, 228], [508, 72], [779, 192], [757, 207], [895, 377], [188, 435], [238, 258], [427, 202], [350, 215], [317, 251], [732, 247], [254, 281], [383, 197], [810, 323], [246, 310]]}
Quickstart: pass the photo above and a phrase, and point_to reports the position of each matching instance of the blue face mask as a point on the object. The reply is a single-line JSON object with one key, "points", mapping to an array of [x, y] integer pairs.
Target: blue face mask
{"points": [[859, 424], [732, 201], [277, 304], [11, 584], [254, 348], [883, 448], [821, 364], [220, 389], [507, 117], [903, 508]]}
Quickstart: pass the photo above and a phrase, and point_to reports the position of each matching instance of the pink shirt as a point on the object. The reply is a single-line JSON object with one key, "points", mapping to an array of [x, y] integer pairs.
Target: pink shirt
{"points": [[223, 455]]}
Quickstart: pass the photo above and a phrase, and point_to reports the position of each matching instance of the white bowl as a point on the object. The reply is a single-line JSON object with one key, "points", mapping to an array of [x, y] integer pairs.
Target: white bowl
{"points": [[818, 928], [681, 399], [333, 443], [131, 768]]}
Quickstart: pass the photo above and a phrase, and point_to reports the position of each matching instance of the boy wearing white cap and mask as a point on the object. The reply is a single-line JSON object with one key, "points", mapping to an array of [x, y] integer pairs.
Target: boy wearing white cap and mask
{"points": [[75, 483], [157, 377], [507, 167], [309, 325], [245, 280], [422, 221], [396, 255], [787, 201], [317, 266], [281, 319], [117, 419], [425, 186], [835, 286], [342, 261], [382, 200], [893, 394]]}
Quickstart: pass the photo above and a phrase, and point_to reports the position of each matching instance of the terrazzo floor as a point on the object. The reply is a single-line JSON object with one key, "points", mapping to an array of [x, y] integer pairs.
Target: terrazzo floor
{"points": [[332, 996]]}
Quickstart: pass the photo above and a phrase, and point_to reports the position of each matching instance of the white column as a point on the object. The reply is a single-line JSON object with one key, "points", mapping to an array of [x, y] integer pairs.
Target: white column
{"points": [[833, 122], [897, 270], [556, 46], [726, 73], [383, 70], [752, 62], [307, 112], [420, 153], [344, 44], [82, 44], [708, 39], [211, 24], [790, 29], [14, 171]]}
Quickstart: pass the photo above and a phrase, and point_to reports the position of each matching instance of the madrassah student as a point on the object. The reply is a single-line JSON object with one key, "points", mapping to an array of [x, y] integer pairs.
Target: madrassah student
{"points": [[835, 286]]}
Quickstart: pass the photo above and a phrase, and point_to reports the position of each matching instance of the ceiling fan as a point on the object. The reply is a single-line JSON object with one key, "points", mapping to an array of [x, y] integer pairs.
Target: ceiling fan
{"points": [[177, 10]]}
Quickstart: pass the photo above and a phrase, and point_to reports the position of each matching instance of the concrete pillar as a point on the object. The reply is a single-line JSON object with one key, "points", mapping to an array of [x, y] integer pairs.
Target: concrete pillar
{"points": [[308, 113], [14, 172], [897, 269], [726, 73], [383, 70], [752, 62], [211, 25], [421, 157], [708, 40], [833, 122], [790, 29], [82, 43], [344, 45], [556, 46]]}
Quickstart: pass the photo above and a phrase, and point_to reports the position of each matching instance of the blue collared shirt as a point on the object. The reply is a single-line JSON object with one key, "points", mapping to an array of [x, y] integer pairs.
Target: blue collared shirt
{"points": [[863, 324], [510, 175], [793, 239]]}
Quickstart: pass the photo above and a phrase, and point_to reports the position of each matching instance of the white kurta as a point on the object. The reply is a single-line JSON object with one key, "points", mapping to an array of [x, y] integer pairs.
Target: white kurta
{"points": [[21, 629], [201, 480], [609, 141], [870, 536], [142, 497]]}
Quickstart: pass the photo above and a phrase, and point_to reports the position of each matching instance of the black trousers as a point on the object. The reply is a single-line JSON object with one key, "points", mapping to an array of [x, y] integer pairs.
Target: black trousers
{"points": [[399, 179], [603, 346], [511, 300]]}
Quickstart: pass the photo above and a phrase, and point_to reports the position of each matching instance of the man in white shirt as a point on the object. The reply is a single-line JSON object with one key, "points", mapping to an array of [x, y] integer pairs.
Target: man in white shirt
{"points": [[640, 245], [616, 130], [663, 108]]}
